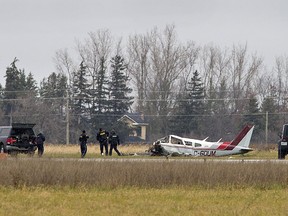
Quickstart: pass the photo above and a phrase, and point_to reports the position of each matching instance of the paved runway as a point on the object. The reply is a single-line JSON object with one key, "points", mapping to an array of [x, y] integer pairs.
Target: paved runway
{"points": [[158, 159]]}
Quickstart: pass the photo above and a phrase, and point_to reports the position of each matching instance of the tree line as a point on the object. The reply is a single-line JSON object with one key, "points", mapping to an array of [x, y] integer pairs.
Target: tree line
{"points": [[180, 88], [58, 98]]}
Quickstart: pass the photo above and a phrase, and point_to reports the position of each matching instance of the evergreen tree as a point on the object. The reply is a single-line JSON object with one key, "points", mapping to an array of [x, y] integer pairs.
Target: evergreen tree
{"points": [[13, 82], [100, 96], [80, 99], [252, 113], [27, 106], [54, 86], [20, 94], [217, 105], [269, 106], [102, 92], [1, 103], [120, 102], [196, 105], [1, 92], [80, 91], [31, 84], [53, 93], [14, 88], [178, 121], [188, 115]]}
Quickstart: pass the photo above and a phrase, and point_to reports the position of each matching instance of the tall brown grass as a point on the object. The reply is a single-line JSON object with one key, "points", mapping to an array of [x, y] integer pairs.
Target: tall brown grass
{"points": [[149, 173], [131, 148], [92, 149]]}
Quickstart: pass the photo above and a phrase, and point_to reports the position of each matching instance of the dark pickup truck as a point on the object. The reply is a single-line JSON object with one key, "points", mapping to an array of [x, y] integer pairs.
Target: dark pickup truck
{"points": [[17, 138]]}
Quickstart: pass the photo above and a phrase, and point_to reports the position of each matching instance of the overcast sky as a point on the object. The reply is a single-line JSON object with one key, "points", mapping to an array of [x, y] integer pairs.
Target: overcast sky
{"points": [[33, 30]]}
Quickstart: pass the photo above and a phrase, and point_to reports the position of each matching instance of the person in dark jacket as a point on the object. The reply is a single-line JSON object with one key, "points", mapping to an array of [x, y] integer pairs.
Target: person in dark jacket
{"points": [[40, 139], [83, 143], [114, 142], [102, 137]]}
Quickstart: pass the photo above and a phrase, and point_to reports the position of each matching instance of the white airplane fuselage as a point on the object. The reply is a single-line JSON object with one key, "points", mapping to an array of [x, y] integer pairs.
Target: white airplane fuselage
{"points": [[173, 144]]}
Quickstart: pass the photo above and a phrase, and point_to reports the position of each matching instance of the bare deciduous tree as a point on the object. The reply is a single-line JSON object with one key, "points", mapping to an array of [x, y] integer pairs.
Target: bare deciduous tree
{"points": [[214, 62], [168, 63], [281, 73], [97, 47], [138, 51], [95, 52], [65, 64], [242, 71]]}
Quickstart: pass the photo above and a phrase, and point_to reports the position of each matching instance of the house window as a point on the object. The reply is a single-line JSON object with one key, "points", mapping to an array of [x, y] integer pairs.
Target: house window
{"points": [[138, 131]]}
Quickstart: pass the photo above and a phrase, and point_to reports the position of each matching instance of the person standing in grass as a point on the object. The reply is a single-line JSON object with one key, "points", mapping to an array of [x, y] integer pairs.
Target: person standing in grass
{"points": [[83, 143], [102, 137], [40, 139], [114, 142]]}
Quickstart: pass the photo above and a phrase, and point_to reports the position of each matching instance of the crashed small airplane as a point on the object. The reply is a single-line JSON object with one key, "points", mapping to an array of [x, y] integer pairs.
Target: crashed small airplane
{"points": [[175, 145]]}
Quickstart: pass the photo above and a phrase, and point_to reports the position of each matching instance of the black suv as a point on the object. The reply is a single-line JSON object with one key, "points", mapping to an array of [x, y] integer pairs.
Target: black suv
{"points": [[18, 138], [283, 143]]}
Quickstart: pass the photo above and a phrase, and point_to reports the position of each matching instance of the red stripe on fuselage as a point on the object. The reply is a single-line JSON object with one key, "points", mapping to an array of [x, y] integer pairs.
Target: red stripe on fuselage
{"points": [[240, 136], [223, 145]]}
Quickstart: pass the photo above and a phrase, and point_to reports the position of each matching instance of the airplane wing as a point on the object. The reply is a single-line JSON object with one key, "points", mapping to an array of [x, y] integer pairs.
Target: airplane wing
{"points": [[205, 139]]}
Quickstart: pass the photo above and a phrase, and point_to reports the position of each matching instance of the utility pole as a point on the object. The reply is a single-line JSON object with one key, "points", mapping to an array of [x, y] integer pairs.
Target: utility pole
{"points": [[67, 118], [11, 117]]}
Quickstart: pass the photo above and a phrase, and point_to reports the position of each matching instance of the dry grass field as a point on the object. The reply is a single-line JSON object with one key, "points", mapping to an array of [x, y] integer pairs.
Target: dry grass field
{"points": [[92, 150], [262, 152], [74, 186], [142, 201]]}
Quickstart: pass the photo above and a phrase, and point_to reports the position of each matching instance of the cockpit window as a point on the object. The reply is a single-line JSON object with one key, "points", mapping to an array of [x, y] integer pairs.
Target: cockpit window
{"points": [[188, 143], [165, 140], [176, 141]]}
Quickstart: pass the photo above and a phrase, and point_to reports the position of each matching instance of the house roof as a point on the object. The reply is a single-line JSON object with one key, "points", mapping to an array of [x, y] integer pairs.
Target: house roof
{"points": [[136, 118]]}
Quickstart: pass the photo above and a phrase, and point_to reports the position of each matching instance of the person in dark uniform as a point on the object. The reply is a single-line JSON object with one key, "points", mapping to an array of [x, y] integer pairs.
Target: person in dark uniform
{"points": [[114, 141], [40, 139], [83, 143], [102, 137]]}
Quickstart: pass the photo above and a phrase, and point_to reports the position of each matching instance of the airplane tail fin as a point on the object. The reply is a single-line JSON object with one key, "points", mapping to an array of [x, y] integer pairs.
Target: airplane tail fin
{"points": [[243, 138]]}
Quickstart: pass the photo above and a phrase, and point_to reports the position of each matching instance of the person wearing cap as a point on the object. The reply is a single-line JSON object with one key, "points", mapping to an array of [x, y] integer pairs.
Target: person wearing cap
{"points": [[114, 141], [83, 143], [102, 137]]}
